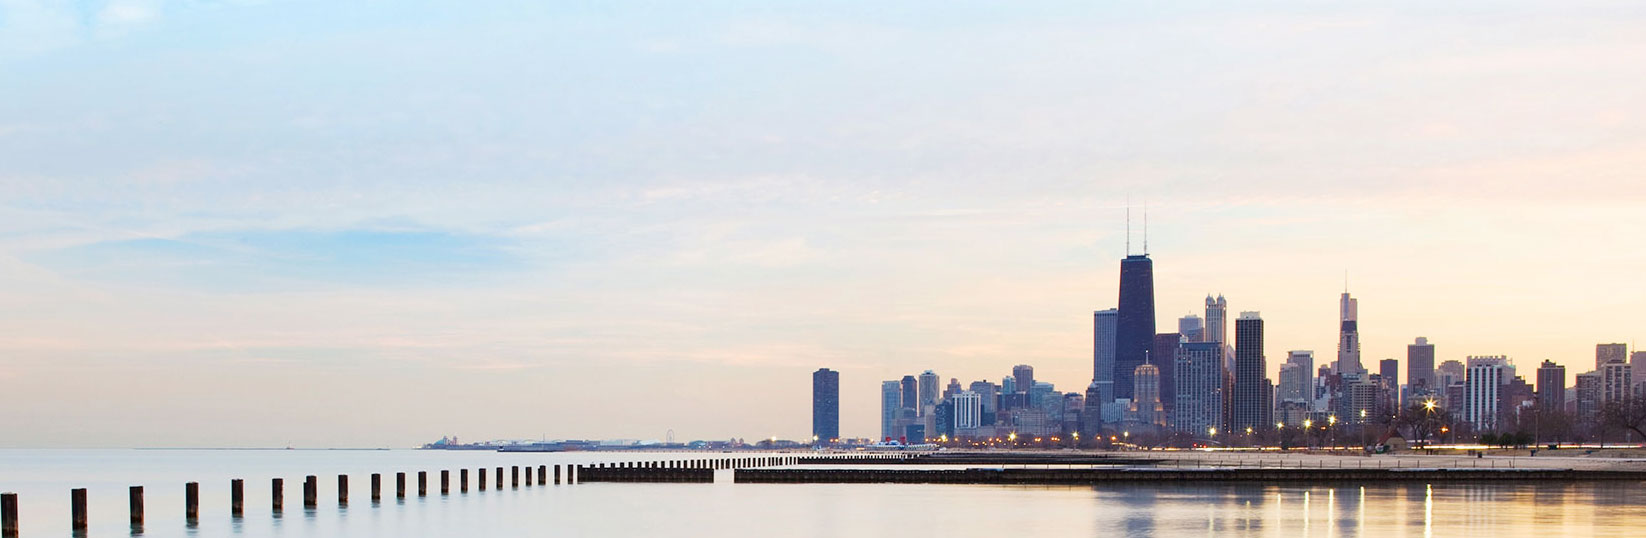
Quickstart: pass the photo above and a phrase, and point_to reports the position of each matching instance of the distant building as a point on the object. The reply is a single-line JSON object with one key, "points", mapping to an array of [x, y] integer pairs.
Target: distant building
{"points": [[1105, 323], [1297, 377], [928, 392], [1588, 395], [1348, 340], [1023, 376], [891, 400], [1420, 368], [1008, 385], [968, 412], [1146, 408], [911, 394], [1486, 376], [987, 395], [1199, 382], [1162, 354], [1191, 327], [1217, 320], [1135, 329], [1608, 353], [1616, 382], [1551, 386], [826, 405], [1388, 371]]}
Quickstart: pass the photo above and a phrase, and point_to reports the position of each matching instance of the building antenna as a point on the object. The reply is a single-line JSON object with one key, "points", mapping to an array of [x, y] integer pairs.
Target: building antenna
{"points": [[1145, 227], [1128, 225]]}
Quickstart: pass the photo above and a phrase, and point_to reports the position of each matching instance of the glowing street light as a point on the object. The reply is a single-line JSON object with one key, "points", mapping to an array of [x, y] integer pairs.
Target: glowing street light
{"points": [[1429, 404]]}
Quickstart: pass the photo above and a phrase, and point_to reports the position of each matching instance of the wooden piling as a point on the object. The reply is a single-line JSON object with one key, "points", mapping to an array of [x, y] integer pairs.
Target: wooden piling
{"points": [[237, 497], [135, 497], [482, 473], [528, 476], [342, 490], [514, 476], [191, 502], [311, 491], [400, 485], [278, 494], [445, 482], [463, 481], [499, 479], [8, 515], [377, 486], [77, 509], [543, 475]]}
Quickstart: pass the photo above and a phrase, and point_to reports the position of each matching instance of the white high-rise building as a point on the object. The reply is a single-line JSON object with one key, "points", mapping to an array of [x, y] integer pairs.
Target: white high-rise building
{"points": [[1348, 341], [1616, 382], [1217, 320], [968, 410], [1485, 375], [1297, 377]]}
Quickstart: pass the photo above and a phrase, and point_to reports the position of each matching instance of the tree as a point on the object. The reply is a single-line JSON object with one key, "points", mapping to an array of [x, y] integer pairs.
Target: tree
{"points": [[1629, 414], [1420, 422]]}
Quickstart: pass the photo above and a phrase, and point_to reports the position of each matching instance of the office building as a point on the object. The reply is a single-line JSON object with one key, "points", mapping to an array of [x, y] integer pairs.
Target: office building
{"points": [[1420, 367], [1162, 353], [1146, 407], [968, 412], [1135, 329], [1388, 371], [911, 394], [1192, 328], [1616, 382], [1105, 324], [1249, 382], [1348, 337], [1608, 353], [928, 392], [1023, 377], [1587, 392], [1217, 315], [1298, 384], [826, 405], [1551, 387], [891, 400], [1199, 381]]}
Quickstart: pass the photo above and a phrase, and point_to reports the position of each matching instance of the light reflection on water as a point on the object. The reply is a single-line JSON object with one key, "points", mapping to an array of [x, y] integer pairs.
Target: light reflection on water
{"points": [[1484, 510]]}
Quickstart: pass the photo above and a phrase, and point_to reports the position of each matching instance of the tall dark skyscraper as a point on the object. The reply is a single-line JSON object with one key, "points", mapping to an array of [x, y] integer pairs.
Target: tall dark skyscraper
{"points": [[1023, 375], [1135, 330], [826, 405], [1249, 386], [1420, 368], [1163, 355], [911, 393], [1551, 386]]}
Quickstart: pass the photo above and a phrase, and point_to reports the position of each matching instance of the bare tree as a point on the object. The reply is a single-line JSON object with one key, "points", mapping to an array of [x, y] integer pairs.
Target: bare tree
{"points": [[1420, 422], [1629, 414]]}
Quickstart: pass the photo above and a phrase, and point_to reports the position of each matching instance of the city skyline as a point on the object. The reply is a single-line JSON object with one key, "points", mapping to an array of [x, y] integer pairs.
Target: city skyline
{"points": [[223, 222]]}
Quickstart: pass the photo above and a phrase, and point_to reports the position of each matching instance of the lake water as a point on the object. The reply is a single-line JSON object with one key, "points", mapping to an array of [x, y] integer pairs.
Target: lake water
{"points": [[43, 478]]}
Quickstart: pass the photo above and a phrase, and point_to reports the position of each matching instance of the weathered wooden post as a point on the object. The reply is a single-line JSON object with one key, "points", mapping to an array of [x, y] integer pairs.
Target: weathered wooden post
{"points": [[377, 486], [399, 485], [543, 475], [557, 475], [237, 497], [278, 494], [311, 491], [463, 481], [422, 483], [191, 502], [8, 515], [445, 481], [514, 477], [77, 509], [135, 499], [528, 476], [499, 479], [342, 490], [482, 472]]}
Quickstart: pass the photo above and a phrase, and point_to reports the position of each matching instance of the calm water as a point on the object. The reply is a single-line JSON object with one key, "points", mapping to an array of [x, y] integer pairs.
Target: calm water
{"points": [[43, 479]]}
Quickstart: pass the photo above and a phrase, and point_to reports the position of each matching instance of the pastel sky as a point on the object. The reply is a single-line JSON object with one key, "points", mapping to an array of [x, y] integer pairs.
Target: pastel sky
{"points": [[318, 223]]}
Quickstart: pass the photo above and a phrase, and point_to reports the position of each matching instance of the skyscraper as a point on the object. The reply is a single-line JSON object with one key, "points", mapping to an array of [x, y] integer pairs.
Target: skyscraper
{"points": [[1299, 385], [968, 411], [1217, 315], [1588, 395], [928, 392], [1616, 382], [1191, 327], [1486, 375], [1637, 366], [1605, 353], [1104, 327], [1348, 336], [911, 394], [1249, 386], [1023, 376], [1388, 373], [1135, 329], [891, 400], [1161, 353], [826, 405], [1551, 386], [1420, 367], [1199, 381]]}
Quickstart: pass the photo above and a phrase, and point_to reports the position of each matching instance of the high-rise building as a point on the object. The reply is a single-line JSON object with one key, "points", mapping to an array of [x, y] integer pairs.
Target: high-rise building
{"points": [[953, 387], [1199, 381], [1023, 376], [1551, 386], [1588, 395], [891, 400], [1249, 383], [1348, 336], [1420, 367], [968, 411], [1450, 373], [1135, 329], [1605, 353], [1297, 385], [1217, 316], [1388, 371], [826, 405], [928, 393], [1104, 327], [1146, 406], [986, 392], [1008, 385], [1637, 366], [1616, 382], [1162, 353], [1486, 375], [911, 394], [1191, 327]]}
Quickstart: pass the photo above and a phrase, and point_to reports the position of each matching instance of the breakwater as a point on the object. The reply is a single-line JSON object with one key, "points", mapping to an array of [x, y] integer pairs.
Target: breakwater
{"points": [[1066, 476]]}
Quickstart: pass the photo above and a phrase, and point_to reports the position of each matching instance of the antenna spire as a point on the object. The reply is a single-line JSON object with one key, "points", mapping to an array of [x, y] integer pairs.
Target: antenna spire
{"points": [[1145, 227], [1128, 226]]}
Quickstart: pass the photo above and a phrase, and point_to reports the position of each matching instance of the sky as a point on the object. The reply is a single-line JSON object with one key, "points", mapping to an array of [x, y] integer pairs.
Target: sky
{"points": [[241, 223]]}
